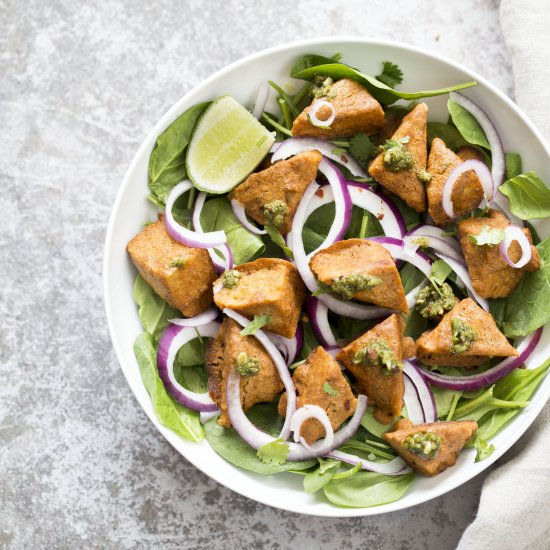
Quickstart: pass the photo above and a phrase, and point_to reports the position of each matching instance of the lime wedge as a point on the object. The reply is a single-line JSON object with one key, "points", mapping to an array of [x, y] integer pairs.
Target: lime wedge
{"points": [[228, 143]]}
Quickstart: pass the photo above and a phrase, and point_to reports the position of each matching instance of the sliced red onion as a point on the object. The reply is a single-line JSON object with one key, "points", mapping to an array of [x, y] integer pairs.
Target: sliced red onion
{"points": [[257, 438], [394, 467], [424, 230], [342, 203], [396, 248], [173, 338], [514, 233], [290, 348], [280, 364], [318, 317], [314, 109], [443, 244], [201, 319], [220, 264], [206, 416], [477, 381], [333, 351], [293, 146], [261, 101], [482, 173], [195, 239], [307, 412], [415, 411], [424, 395], [462, 272], [240, 214], [495, 143], [379, 205]]}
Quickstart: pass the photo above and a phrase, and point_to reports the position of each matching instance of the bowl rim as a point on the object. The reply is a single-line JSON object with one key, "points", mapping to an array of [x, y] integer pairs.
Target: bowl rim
{"points": [[334, 511]]}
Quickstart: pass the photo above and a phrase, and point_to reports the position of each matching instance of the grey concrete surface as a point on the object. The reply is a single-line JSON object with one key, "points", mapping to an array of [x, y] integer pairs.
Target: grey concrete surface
{"points": [[81, 85]]}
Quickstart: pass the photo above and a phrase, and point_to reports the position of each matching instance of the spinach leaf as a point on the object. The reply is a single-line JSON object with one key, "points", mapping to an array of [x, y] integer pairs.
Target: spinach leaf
{"points": [[444, 400], [278, 240], [318, 478], [217, 214], [310, 342], [467, 125], [228, 444], [308, 66], [449, 134], [529, 196], [519, 385], [372, 425], [483, 449], [182, 421], [513, 165], [527, 307], [167, 160], [154, 312], [367, 489]]}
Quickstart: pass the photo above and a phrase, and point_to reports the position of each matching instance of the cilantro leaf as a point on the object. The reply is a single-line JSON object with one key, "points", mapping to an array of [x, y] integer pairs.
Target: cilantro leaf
{"points": [[391, 74], [274, 452], [361, 148], [483, 449], [488, 236], [257, 323], [440, 271], [329, 390]]}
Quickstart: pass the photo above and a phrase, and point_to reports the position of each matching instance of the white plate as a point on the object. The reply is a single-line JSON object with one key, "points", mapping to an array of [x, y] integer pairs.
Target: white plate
{"points": [[422, 71]]}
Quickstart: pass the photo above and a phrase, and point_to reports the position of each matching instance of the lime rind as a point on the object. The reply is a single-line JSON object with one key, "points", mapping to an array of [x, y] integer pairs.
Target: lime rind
{"points": [[228, 143]]}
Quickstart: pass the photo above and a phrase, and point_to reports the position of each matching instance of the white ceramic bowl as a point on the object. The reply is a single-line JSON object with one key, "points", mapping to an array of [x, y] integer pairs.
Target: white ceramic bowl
{"points": [[423, 70]]}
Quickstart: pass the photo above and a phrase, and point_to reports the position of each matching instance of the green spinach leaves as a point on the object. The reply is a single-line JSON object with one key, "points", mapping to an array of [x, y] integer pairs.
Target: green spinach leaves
{"points": [[167, 160]]}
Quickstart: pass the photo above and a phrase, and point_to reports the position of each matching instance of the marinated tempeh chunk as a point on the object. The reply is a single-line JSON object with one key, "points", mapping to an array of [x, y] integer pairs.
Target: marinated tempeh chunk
{"points": [[402, 167], [182, 276], [360, 269], [375, 359], [319, 381], [467, 191], [465, 337], [356, 111], [223, 353], [491, 276], [274, 194], [430, 448], [268, 286]]}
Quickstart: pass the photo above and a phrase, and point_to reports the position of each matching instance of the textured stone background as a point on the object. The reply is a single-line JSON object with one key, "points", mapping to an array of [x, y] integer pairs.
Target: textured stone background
{"points": [[82, 83]]}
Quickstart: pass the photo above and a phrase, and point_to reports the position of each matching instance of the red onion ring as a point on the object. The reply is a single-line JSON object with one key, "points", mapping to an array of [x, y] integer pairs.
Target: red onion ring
{"points": [[203, 318], [290, 348], [477, 381], [257, 438], [183, 235], [394, 467], [206, 416], [261, 100], [436, 244], [280, 364], [307, 412], [423, 230], [424, 396], [462, 272], [333, 352], [220, 264], [379, 205], [314, 109], [318, 317], [495, 143], [240, 214], [173, 338], [482, 173], [293, 146], [514, 233]]}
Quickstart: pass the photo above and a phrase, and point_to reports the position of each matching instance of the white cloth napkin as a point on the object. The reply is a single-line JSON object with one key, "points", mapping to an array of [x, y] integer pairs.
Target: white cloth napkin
{"points": [[514, 509]]}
